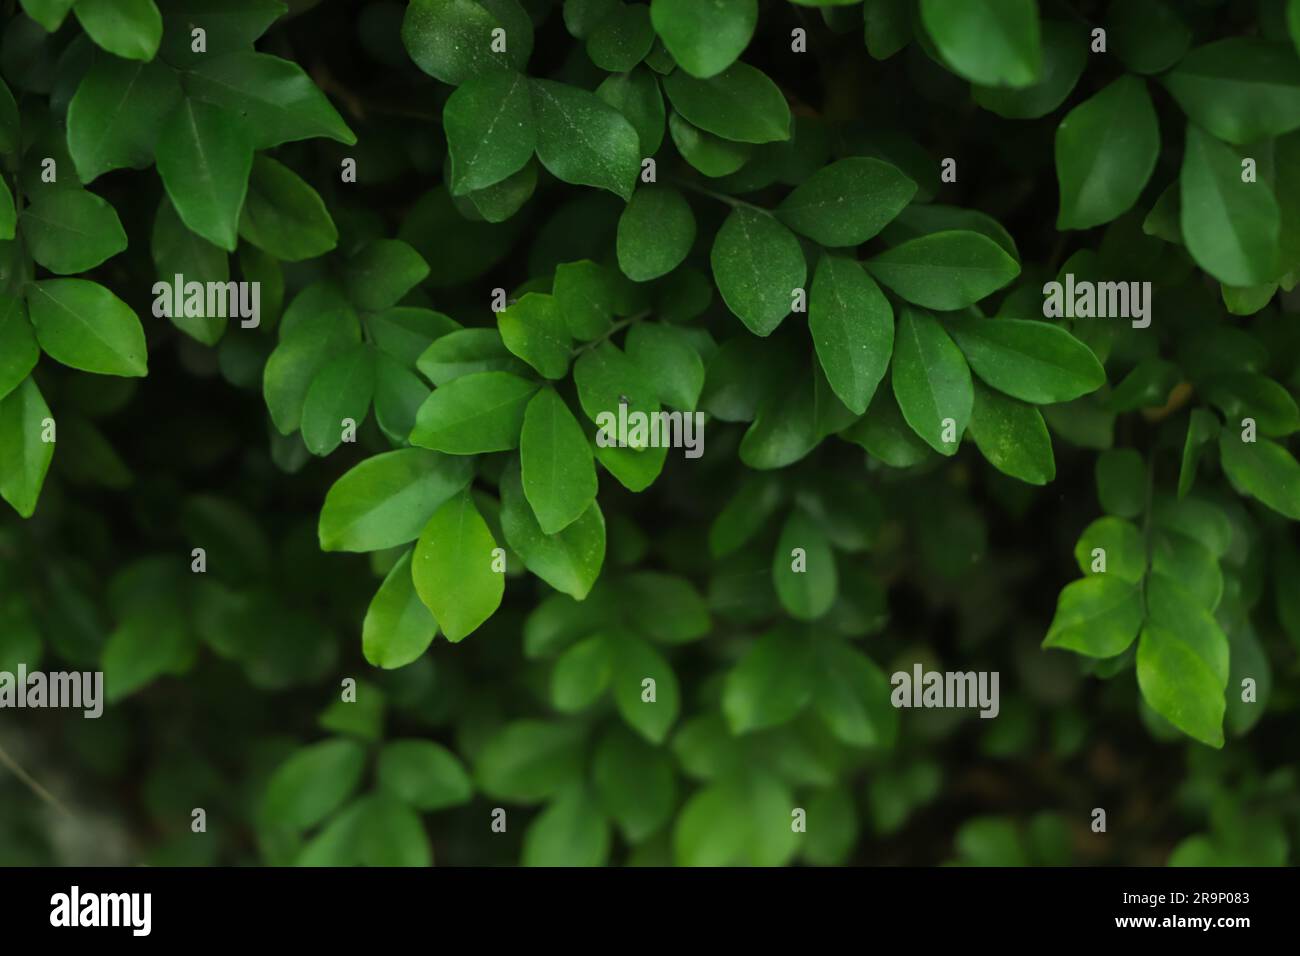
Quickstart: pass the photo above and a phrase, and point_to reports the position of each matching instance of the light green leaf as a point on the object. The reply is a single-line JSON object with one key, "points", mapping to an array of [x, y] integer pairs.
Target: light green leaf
{"points": [[803, 568], [398, 628], [530, 760], [770, 685], [582, 674], [1124, 553], [476, 413], [851, 695], [666, 357], [71, 230], [452, 568], [1263, 469], [19, 349], [26, 458], [534, 329], [649, 708], [386, 500], [1065, 52], [558, 473], [131, 29], [313, 783], [423, 775], [83, 325], [1097, 616], [571, 831]]}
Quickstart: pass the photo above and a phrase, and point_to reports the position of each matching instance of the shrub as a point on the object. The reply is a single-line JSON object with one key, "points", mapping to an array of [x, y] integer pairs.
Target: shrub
{"points": [[951, 311]]}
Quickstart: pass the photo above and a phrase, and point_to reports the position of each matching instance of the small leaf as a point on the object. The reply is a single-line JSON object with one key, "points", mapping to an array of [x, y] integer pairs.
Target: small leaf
{"points": [[381, 273], [131, 29], [27, 456], [1097, 617], [113, 116], [84, 326], [847, 202], [803, 568], [558, 473], [313, 783], [1262, 469], [423, 775], [1240, 89], [1122, 482], [1012, 436], [993, 43], [1033, 361], [452, 40], [655, 233], [571, 831], [741, 104], [945, 270], [398, 628], [205, 157], [284, 216], [583, 140], [340, 393], [757, 264], [931, 381], [533, 329], [473, 414], [770, 685], [452, 568], [705, 36], [1125, 555], [1106, 149], [71, 230], [386, 500], [570, 560], [490, 130]]}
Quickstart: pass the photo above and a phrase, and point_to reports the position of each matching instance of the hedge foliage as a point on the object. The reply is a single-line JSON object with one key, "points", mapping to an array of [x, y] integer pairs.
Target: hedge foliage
{"points": [[986, 309]]}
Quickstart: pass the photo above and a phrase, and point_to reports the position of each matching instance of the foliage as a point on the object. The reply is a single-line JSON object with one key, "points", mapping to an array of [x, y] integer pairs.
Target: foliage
{"points": [[478, 227]]}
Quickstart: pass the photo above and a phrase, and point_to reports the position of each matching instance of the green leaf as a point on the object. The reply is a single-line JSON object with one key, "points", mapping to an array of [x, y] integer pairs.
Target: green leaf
{"points": [[8, 214], [757, 264], [852, 328], [530, 760], [741, 104], [803, 568], [1248, 395], [283, 215], [338, 398], [398, 628], [490, 130], [1147, 35], [19, 349], [569, 561], [451, 40], [582, 674], [622, 39], [1202, 427], [26, 458], [381, 273], [664, 607], [113, 116], [1097, 617], [666, 357], [534, 329], [230, 25], [1033, 361], [1065, 52], [587, 294], [178, 251], [770, 685], [1124, 553], [847, 202], [205, 157], [705, 36], [318, 325], [131, 29], [1263, 469], [994, 43], [1106, 150], [636, 95], [48, 13], [711, 155], [71, 230], [423, 775], [1189, 562], [476, 413], [851, 695], [649, 709], [945, 270], [1122, 482], [571, 831], [931, 381], [583, 140], [452, 568], [1182, 662], [1240, 89], [634, 782], [655, 233], [313, 783], [84, 326], [558, 473], [466, 351], [277, 101], [1230, 227], [386, 500], [1012, 436]]}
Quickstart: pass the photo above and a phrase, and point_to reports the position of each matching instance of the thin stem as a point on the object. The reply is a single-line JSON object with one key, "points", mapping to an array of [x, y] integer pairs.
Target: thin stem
{"points": [[612, 330], [731, 201], [1146, 527], [31, 783]]}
